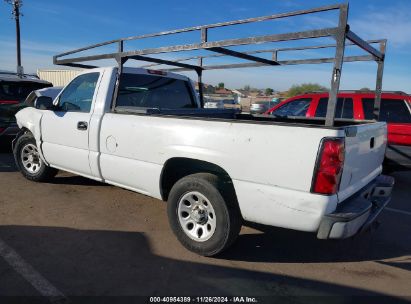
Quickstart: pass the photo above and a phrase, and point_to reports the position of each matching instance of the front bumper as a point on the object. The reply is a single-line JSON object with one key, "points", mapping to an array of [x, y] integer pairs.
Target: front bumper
{"points": [[357, 213]]}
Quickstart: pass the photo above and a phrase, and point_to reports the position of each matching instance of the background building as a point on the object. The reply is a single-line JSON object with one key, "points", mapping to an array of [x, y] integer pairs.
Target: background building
{"points": [[58, 77]]}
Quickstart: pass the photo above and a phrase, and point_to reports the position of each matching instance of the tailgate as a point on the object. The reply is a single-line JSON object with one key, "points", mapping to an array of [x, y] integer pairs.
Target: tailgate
{"points": [[364, 154]]}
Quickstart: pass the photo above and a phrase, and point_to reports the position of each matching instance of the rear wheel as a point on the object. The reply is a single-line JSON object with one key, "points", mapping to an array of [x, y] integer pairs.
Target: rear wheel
{"points": [[203, 214], [29, 162]]}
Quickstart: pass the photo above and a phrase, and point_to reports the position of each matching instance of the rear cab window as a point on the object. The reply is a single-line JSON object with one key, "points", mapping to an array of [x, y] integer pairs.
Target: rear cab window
{"points": [[344, 108], [297, 107], [392, 110], [155, 92]]}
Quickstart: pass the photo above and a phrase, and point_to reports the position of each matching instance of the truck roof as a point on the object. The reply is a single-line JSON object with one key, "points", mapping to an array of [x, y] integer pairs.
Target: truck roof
{"points": [[357, 92], [391, 94]]}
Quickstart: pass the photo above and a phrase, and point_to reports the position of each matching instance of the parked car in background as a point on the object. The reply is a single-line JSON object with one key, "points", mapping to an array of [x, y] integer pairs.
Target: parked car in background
{"points": [[358, 105], [213, 104], [221, 104], [260, 107], [13, 92]]}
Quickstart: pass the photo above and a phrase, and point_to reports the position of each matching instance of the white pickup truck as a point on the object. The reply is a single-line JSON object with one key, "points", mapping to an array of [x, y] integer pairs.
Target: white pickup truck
{"points": [[215, 168]]}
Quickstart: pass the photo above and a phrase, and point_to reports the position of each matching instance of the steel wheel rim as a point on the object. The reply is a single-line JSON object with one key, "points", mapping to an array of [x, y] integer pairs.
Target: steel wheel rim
{"points": [[196, 216], [30, 158]]}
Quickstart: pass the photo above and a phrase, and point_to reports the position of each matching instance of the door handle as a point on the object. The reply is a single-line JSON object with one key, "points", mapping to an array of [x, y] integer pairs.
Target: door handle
{"points": [[82, 125]]}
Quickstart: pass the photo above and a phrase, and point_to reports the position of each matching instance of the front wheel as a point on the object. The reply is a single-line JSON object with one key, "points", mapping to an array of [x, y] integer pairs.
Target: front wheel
{"points": [[29, 162], [203, 214]]}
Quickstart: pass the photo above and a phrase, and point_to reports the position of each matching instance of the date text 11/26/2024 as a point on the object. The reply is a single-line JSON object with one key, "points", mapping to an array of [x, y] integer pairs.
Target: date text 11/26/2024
{"points": [[239, 299]]}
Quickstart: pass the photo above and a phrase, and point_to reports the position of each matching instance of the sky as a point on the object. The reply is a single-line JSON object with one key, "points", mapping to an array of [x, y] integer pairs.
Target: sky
{"points": [[49, 27]]}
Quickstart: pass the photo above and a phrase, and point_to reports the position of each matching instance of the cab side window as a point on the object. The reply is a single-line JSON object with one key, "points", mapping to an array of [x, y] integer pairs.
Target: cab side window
{"points": [[344, 108], [78, 95], [392, 110]]}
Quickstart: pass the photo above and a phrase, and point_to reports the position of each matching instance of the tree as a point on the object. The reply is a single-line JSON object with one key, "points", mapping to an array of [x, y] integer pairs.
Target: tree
{"points": [[247, 88], [365, 89], [221, 85], [305, 87], [269, 91]]}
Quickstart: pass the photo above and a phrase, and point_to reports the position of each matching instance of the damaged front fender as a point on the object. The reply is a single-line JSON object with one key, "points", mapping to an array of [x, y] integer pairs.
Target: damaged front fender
{"points": [[30, 119]]}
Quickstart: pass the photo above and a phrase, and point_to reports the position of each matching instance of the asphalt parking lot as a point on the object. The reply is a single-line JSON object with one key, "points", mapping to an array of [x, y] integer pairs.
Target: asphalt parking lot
{"points": [[77, 237]]}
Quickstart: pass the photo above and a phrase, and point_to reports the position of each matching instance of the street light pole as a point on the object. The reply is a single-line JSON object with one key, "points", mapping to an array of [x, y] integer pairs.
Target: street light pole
{"points": [[16, 13]]}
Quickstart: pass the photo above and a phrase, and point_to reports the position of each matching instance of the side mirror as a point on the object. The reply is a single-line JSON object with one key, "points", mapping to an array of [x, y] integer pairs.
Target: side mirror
{"points": [[44, 103]]}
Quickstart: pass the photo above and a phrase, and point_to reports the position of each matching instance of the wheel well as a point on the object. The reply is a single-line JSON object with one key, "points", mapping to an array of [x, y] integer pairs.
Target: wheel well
{"points": [[176, 168], [24, 130]]}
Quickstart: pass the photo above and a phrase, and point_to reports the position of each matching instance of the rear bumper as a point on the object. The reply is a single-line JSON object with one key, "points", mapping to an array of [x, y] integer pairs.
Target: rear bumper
{"points": [[398, 157], [357, 213]]}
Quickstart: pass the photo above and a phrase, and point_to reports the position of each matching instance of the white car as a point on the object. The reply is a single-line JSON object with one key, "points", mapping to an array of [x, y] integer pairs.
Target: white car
{"points": [[209, 165], [214, 104]]}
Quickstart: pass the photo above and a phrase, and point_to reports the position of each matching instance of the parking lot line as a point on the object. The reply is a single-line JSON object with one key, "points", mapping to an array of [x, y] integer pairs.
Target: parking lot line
{"points": [[398, 211], [42, 285]]}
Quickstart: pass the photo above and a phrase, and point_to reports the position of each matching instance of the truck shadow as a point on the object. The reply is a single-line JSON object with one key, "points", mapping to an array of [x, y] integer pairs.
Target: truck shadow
{"points": [[69, 179], [117, 263], [389, 241]]}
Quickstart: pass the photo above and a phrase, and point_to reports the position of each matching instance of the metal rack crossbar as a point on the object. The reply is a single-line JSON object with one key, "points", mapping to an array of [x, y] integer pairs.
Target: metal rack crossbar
{"points": [[341, 33], [274, 53]]}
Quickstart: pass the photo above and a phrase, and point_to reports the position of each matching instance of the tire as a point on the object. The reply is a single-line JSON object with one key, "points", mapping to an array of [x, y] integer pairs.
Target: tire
{"points": [[204, 203], [29, 162]]}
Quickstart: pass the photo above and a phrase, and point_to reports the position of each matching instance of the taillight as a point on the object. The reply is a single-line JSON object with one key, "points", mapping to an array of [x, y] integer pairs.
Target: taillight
{"points": [[329, 167]]}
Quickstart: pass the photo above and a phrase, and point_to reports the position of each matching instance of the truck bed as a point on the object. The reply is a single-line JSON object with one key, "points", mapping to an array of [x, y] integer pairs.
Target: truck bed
{"points": [[232, 114]]}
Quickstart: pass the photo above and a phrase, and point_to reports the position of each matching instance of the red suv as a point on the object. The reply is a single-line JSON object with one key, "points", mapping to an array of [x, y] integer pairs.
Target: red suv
{"points": [[358, 105]]}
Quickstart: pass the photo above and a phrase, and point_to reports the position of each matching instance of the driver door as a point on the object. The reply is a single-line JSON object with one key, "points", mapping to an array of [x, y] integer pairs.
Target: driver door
{"points": [[65, 131]]}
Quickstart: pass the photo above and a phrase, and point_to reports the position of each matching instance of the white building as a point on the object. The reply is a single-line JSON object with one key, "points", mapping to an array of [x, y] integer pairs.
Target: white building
{"points": [[58, 77]]}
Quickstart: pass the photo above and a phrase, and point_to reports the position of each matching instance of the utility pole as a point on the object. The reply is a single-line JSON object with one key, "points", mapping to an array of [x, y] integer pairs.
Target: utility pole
{"points": [[16, 14]]}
